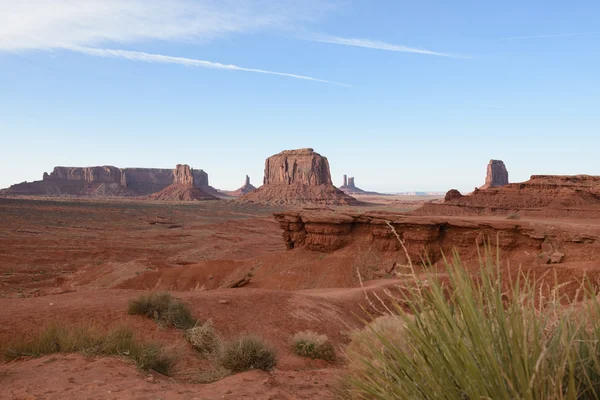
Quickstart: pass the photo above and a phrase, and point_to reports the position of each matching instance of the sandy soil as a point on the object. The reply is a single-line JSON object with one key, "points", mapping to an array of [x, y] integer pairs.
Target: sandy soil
{"points": [[80, 261]]}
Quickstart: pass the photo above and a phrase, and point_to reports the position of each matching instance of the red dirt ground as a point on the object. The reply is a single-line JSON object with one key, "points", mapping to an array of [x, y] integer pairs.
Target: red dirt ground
{"points": [[80, 261]]}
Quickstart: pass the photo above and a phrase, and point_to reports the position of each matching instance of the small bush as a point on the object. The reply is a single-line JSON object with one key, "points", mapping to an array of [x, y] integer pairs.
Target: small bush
{"points": [[89, 340], [513, 216], [163, 308], [311, 344], [248, 352], [203, 338]]}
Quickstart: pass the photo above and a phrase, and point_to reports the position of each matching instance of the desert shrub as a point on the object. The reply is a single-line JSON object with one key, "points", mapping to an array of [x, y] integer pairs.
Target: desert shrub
{"points": [[474, 336], [311, 344], [248, 352], [513, 216], [204, 339], [163, 308], [90, 340]]}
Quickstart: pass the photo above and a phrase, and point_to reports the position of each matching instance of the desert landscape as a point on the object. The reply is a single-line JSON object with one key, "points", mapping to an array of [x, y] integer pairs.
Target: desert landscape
{"points": [[293, 255], [285, 199]]}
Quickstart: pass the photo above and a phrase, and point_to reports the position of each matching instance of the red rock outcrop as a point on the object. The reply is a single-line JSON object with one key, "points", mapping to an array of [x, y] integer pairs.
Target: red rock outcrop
{"points": [[106, 181], [542, 195], [245, 189], [302, 166], [452, 194], [431, 237], [184, 187], [297, 177], [496, 176], [350, 188]]}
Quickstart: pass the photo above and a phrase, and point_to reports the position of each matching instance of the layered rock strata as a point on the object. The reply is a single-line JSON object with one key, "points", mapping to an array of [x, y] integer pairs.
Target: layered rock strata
{"points": [[298, 177]]}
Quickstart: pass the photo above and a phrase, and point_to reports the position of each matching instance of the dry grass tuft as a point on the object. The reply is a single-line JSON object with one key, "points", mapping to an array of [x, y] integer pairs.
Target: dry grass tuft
{"points": [[248, 352], [163, 308], [312, 345], [90, 340]]}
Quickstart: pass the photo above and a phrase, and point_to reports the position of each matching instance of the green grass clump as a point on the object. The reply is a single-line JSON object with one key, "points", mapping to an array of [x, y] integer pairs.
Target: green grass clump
{"points": [[474, 336], [312, 345], [89, 340], [163, 308], [204, 339], [248, 352]]}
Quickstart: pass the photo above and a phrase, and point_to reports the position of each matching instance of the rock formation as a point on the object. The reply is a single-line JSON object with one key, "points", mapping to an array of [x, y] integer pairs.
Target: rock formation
{"points": [[497, 175], [550, 196], [247, 188], [350, 188], [303, 166], [452, 194], [184, 187], [297, 177], [427, 237], [108, 181]]}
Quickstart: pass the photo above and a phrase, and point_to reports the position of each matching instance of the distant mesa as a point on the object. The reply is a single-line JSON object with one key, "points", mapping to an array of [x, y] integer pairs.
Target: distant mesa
{"points": [[247, 188], [350, 188], [496, 176], [109, 181], [298, 177], [185, 187]]}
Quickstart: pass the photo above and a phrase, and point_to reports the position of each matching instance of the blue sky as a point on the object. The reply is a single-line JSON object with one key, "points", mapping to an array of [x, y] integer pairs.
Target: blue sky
{"points": [[403, 95]]}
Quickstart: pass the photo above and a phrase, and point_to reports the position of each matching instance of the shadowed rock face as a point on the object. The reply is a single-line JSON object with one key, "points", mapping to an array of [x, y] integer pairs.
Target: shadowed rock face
{"points": [[497, 175], [452, 194], [303, 166]]}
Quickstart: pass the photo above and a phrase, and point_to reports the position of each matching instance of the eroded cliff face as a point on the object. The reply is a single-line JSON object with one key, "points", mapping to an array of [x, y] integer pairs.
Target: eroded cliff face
{"points": [[297, 177], [303, 166], [431, 237], [497, 174]]}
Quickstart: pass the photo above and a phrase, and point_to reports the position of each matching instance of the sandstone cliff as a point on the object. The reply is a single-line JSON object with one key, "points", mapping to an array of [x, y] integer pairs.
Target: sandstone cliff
{"points": [[427, 237], [496, 175], [297, 177], [106, 181]]}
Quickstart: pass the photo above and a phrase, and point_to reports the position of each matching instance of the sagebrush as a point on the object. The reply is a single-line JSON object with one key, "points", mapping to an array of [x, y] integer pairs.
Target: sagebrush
{"points": [[313, 345], [248, 352]]}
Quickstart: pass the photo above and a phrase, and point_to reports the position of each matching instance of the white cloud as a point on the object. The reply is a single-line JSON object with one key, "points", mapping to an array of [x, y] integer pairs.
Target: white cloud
{"points": [[546, 36], [190, 62], [372, 44], [49, 24]]}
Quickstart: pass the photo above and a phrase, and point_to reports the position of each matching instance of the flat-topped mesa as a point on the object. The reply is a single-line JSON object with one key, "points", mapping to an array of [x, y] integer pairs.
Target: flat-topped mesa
{"points": [[106, 174], [295, 177], [497, 175], [303, 166], [109, 181]]}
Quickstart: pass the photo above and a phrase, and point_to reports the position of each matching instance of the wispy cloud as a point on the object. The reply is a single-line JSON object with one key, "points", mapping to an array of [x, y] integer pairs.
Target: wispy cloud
{"points": [[547, 36], [377, 45], [49, 24], [189, 62]]}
